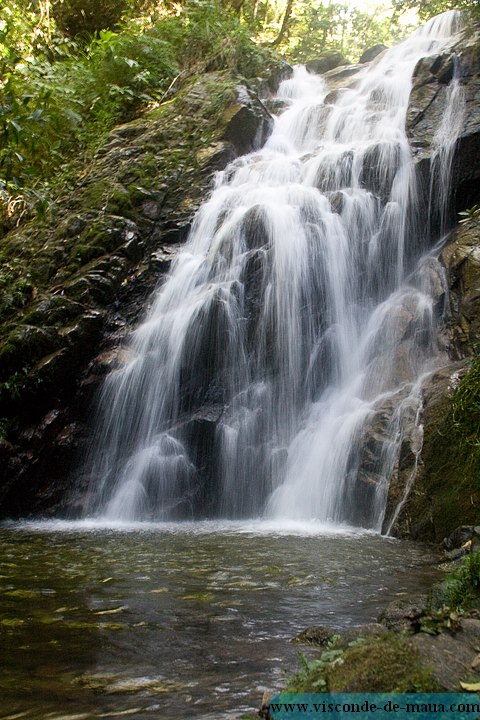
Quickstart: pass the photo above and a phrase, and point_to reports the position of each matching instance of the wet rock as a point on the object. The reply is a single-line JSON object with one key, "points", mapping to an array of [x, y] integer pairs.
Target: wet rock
{"points": [[403, 614], [55, 309], [161, 259], [459, 537], [423, 514], [200, 432], [269, 85], [459, 552], [426, 109], [327, 62], [334, 175], [248, 123], [216, 156], [319, 635], [75, 225], [255, 228], [371, 53], [26, 344], [380, 165], [461, 258], [275, 106], [339, 75], [337, 201]]}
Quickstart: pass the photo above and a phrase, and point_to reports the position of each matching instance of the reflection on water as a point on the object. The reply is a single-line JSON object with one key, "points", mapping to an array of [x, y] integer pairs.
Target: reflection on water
{"points": [[177, 621]]}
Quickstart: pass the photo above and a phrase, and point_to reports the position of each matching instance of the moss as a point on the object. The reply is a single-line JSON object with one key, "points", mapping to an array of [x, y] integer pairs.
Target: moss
{"points": [[378, 664], [387, 664], [58, 309], [451, 479], [26, 343], [85, 253]]}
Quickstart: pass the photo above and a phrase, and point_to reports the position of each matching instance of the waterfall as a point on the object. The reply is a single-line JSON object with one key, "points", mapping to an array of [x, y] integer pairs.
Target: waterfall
{"points": [[298, 317]]}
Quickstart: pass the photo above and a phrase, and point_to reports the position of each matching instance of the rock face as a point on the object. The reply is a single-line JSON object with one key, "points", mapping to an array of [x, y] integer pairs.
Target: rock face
{"points": [[91, 270], [442, 497], [427, 498], [427, 106]]}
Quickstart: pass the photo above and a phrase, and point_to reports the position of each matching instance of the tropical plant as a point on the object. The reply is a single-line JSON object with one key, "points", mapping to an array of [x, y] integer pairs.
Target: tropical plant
{"points": [[86, 17], [470, 214]]}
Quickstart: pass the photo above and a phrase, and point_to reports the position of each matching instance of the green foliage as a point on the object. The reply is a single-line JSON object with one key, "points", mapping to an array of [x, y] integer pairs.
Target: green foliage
{"points": [[320, 27], [450, 484], [465, 416], [434, 622], [59, 98], [429, 8], [463, 586], [312, 674], [86, 17], [207, 35], [470, 214]]}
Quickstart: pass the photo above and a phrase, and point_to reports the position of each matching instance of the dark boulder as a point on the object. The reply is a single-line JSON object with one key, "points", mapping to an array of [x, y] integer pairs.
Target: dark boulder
{"points": [[371, 53], [327, 62]]}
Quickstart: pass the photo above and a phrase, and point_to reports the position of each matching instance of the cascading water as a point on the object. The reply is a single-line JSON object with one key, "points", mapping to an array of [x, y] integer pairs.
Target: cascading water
{"points": [[298, 311]]}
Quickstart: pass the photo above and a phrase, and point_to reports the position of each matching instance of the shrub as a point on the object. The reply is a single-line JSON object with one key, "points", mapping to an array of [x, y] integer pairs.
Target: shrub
{"points": [[463, 586], [87, 17]]}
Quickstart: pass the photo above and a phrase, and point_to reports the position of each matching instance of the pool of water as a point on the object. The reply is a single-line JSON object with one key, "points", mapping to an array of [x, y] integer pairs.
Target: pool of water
{"points": [[179, 620]]}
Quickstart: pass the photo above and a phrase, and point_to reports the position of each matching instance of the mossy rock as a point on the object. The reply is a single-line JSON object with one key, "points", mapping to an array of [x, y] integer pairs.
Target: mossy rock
{"points": [[24, 345], [387, 664], [376, 664], [446, 493]]}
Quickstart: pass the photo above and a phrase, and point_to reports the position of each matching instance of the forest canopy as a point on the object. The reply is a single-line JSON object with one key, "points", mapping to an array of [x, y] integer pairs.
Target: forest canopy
{"points": [[72, 69]]}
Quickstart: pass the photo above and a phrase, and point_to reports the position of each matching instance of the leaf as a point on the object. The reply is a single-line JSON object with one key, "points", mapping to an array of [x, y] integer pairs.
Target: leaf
{"points": [[470, 687], [35, 115]]}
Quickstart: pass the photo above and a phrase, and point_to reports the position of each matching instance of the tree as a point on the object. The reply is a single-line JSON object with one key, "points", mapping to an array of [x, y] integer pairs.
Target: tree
{"points": [[429, 8], [86, 17]]}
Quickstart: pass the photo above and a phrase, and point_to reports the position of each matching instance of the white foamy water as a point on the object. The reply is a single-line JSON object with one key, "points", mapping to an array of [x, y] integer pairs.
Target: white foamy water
{"points": [[298, 312]]}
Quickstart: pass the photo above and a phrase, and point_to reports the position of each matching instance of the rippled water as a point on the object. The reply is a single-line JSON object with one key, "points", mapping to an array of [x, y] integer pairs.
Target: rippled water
{"points": [[178, 620]]}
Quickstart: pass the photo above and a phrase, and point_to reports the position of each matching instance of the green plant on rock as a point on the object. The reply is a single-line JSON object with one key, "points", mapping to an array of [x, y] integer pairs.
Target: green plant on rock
{"points": [[462, 588], [470, 214], [465, 417], [373, 664]]}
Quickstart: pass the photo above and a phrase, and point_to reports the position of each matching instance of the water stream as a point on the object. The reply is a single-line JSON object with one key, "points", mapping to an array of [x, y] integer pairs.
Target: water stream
{"points": [[298, 312], [186, 620]]}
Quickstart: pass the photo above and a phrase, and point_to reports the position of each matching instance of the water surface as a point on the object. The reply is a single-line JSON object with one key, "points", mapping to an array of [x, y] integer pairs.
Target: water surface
{"points": [[178, 620]]}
